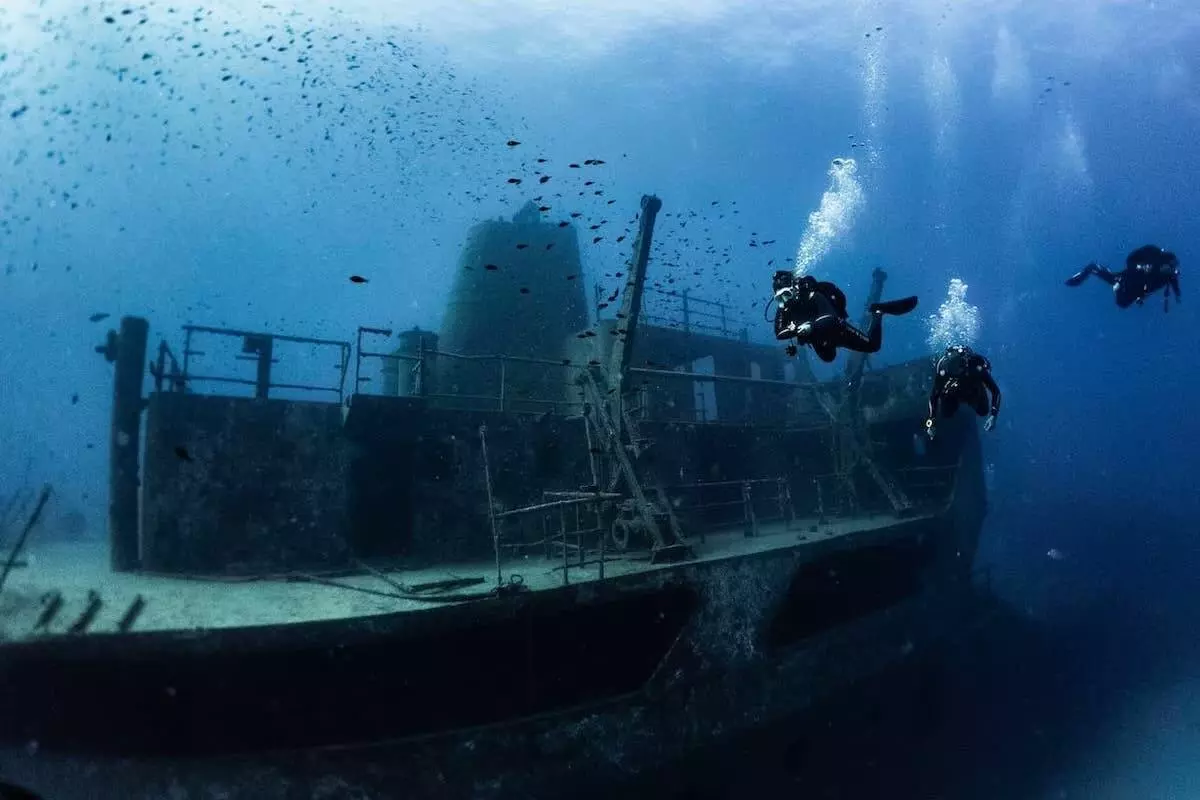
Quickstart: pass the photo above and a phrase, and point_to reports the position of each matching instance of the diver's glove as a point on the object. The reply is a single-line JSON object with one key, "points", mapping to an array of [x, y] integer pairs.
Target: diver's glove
{"points": [[930, 428], [990, 422]]}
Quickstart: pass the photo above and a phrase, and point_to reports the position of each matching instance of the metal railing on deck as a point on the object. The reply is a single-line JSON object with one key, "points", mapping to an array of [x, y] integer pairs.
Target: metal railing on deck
{"points": [[256, 347], [582, 516], [574, 527], [746, 496], [937, 480], [505, 398], [695, 315], [167, 368], [813, 417]]}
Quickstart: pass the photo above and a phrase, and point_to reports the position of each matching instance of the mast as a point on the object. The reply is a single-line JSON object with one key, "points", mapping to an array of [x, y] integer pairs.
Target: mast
{"points": [[635, 284]]}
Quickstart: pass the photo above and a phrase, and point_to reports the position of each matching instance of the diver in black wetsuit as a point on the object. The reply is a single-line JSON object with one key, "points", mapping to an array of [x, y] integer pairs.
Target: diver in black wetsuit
{"points": [[814, 313], [962, 376], [1147, 270]]}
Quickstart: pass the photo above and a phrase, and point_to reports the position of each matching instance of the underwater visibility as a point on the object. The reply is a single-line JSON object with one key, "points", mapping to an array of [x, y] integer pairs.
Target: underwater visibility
{"points": [[460, 400]]}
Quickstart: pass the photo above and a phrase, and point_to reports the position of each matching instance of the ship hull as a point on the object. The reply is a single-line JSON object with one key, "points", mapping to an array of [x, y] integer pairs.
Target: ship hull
{"points": [[694, 655]]}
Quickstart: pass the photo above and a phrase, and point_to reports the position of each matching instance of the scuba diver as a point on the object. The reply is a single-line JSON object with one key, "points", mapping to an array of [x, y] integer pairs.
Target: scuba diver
{"points": [[962, 376], [1147, 270], [814, 313]]}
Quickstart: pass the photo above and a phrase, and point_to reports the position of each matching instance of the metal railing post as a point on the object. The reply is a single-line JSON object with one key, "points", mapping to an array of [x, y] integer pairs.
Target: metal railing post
{"points": [[487, 477]]}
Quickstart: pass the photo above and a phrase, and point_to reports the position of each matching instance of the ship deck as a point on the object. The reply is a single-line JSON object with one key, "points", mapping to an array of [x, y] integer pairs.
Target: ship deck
{"points": [[173, 603]]}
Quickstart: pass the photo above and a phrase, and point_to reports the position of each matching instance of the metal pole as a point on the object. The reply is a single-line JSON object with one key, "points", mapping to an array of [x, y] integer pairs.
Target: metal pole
{"points": [[562, 530], [587, 431], [20, 543], [487, 476], [125, 444], [266, 352], [358, 363], [187, 350], [603, 536], [342, 373]]}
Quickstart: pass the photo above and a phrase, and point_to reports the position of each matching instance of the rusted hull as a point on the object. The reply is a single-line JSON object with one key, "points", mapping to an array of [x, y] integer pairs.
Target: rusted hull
{"points": [[745, 651]]}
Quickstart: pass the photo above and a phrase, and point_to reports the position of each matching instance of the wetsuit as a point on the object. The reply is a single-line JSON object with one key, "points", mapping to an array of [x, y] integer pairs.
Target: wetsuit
{"points": [[962, 376], [814, 313], [1147, 270]]}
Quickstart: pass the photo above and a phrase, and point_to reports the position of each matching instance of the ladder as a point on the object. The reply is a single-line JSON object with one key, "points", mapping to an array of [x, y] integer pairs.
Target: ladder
{"points": [[624, 454]]}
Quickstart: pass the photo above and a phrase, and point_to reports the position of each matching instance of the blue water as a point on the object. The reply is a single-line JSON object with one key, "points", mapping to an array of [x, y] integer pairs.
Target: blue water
{"points": [[234, 164]]}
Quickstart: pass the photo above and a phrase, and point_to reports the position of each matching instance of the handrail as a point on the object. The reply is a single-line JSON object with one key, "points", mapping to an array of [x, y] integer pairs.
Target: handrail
{"points": [[259, 347]]}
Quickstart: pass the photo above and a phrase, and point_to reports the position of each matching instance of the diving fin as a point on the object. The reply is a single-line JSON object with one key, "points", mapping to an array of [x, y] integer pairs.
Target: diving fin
{"points": [[1082, 275], [895, 307]]}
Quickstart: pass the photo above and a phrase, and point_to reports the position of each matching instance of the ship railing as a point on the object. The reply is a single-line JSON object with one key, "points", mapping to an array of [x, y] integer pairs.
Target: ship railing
{"points": [[773, 403], [259, 348], [693, 315], [932, 485], [571, 527], [707, 505], [554, 376], [167, 369]]}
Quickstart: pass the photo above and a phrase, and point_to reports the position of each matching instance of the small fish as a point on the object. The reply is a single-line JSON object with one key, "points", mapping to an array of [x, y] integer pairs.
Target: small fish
{"points": [[563, 224], [514, 181], [512, 143], [522, 246], [573, 166], [182, 454], [491, 267], [99, 315], [1054, 554], [543, 179], [524, 290], [357, 279], [543, 209], [596, 239]]}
